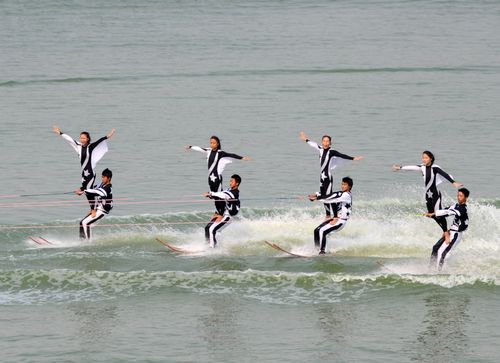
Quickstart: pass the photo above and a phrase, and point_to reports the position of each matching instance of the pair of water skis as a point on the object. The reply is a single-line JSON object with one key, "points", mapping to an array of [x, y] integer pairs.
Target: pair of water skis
{"points": [[270, 244]]}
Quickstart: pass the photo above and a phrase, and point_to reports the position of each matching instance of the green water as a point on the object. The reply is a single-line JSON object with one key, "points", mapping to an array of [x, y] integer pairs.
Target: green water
{"points": [[387, 79]]}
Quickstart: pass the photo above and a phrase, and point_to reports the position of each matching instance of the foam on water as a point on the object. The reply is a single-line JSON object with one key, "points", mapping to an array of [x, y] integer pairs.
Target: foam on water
{"points": [[385, 245], [386, 228], [62, 285]]}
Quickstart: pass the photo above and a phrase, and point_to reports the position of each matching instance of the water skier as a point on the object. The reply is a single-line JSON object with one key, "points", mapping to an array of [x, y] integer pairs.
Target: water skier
{"points": [[329, 160], [217, 161], [101, 203], [343, 202], [230, 199], [442, 248], [433, 176], [89, 153]]}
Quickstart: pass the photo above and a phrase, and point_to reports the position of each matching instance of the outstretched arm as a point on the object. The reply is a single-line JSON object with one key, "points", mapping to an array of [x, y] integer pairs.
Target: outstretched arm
{"points": [[447, 212], [227, 195], [451, 211], [224, 154], [398, 167], [335, 197], [448, 177], [444, 174], [196, 148], [101, 192], [344, 156], [111, 133]]}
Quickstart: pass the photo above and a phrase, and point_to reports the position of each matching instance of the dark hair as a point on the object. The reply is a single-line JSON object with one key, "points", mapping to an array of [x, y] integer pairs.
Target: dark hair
{"points": [[108, 173], [86, 134], [216, 139], [329, 137], [237, 178], [348, 180], [464, 191], [431, 155]]}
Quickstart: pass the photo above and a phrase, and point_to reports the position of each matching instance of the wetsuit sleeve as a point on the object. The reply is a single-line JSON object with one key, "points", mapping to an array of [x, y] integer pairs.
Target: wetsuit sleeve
{"points": [[411, 167], [71, 142], [96, 193], [451, 211], [340, 155], [100, 192], [223, 154], [95, 143], [445, 175], [222, 195], [313, 144], [199, 149], [335, 197]]}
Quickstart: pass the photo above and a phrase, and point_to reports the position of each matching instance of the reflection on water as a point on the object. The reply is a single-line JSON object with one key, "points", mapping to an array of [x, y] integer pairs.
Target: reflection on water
{"points": [[94, 321], [335, 322], [443, 339], [221, 330]]}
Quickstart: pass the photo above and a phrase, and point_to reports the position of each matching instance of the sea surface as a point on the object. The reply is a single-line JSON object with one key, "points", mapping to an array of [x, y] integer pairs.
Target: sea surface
{"points": [[386, 79]]}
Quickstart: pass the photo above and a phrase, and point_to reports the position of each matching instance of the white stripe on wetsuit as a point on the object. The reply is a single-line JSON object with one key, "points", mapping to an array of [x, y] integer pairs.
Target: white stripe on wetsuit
{"points": [[88, 221], [445, 249], [217, 227], [327, 228]]}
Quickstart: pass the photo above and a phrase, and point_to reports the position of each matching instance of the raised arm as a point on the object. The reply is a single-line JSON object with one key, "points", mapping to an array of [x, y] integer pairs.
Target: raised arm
{"points": [[71, 142], [95, 143], [311, 143]]}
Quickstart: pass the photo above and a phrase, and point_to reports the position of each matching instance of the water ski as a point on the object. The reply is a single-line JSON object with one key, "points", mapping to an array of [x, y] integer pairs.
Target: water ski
{"points": [[281, 249], [40, 240], [176, 248]]}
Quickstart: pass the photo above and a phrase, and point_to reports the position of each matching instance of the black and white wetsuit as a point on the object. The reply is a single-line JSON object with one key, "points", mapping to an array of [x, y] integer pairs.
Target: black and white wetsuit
{"points": [[442, 250], [433, 176], [101, 200], [329, 160], [230, 199], [89, 157], [217, 161], [343, 200]]}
